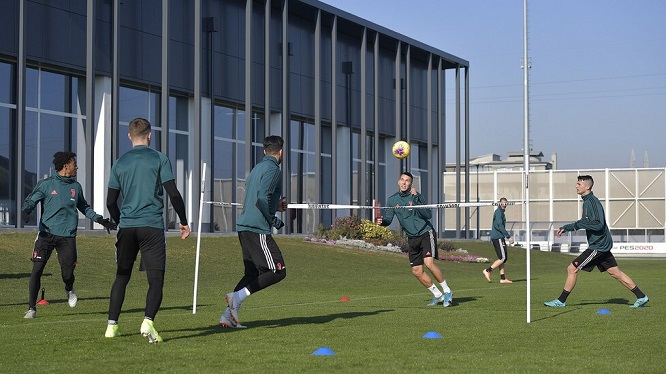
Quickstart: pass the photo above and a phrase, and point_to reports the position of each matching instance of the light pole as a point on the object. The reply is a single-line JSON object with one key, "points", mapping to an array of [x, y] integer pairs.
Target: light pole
{"points": [[478, 218]]}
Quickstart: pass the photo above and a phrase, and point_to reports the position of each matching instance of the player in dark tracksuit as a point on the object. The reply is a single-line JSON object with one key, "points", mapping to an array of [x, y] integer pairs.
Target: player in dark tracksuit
{"points": [[421, 236], [498, 236], [62, 199], [262, 258], [598, 254]]}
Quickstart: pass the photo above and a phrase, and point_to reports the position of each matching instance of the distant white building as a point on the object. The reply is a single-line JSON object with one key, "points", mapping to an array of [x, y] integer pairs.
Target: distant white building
{"points": [[513, 161]]}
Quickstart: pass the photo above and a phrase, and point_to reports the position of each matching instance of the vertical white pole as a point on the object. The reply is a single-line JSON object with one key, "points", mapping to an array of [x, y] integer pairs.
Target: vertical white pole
{"points": [[526, 157], [196, 264]]}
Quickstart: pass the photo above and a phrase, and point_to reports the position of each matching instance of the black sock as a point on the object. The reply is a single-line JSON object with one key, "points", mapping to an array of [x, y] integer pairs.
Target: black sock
{"points": [[639, 294], [489, 269], [502, 276], [563, 296]]}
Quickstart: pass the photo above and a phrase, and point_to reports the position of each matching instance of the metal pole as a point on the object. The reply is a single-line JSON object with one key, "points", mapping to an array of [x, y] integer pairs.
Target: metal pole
{"points": [[526, 155], [478, 217]]}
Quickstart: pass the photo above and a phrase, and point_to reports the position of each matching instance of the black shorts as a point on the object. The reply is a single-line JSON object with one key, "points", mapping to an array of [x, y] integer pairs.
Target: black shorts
{"points": [[500, 249], [45, 243], [150, 241], [591, 258], [261, 250], [421, 247]]}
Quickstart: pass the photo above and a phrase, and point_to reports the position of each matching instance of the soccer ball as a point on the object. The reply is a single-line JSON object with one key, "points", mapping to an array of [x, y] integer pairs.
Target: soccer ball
{"points": [[400, 149]]}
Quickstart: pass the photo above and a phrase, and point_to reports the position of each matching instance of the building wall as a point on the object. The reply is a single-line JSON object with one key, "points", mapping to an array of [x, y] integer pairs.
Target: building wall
{"points": [[213, 84]]}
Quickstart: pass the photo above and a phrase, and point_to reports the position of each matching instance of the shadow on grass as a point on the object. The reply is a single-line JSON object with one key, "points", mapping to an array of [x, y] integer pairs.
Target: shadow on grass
{"points": [[568, 310], [215, 329], [619, 301], [21, 275], [137, 310], [461, 300]]}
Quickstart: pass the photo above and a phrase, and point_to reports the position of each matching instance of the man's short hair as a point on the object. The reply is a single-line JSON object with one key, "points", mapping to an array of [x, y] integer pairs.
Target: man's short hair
{"points": [[273, 144], [60, 159], [139, 128], [408, 174], [587, 178]]}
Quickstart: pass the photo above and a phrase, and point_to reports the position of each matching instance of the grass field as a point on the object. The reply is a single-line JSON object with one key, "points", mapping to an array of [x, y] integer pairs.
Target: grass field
{"points": [[380, 330]]}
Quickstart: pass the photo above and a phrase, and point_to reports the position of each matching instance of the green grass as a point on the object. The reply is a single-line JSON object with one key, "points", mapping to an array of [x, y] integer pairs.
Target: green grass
{"points": [[380, 330]]}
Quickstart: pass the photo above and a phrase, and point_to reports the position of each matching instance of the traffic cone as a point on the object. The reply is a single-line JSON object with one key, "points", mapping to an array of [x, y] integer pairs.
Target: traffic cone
{"points": [[42, 301]]}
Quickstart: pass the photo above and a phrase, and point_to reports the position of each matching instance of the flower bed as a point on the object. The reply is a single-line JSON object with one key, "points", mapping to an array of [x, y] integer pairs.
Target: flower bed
{"points": [[458, 255]]}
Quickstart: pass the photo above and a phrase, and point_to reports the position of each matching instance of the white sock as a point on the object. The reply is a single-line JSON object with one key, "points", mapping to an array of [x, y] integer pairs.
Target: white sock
{"points": [[242, 294], [445, 287], [112, 322], [435, 291]]}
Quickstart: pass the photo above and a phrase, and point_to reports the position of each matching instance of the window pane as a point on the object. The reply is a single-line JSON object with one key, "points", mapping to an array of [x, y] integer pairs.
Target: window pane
{"points": [[6, 89], [54, 92], [7, 202]]}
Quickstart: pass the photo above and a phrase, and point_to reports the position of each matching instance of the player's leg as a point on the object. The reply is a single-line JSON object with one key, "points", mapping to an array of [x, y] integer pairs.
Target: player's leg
{"points": [[67, 257], [126, 250], [610, 265], [500, 250], [428, 243], [40, 256], [416, 261], [269, 264], [152, 244], [586, 261], [250, 244]]}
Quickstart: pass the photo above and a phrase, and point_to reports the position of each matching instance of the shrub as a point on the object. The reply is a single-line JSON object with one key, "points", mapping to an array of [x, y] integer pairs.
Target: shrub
{"points": [[378, 235], [345, 227], [447, 247]]}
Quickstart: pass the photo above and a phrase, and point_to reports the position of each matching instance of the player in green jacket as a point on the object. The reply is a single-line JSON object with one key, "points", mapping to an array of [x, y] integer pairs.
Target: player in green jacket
{"points": [[498, 236], [598, 254], [421, 236], [262, 258], [61, 198]]}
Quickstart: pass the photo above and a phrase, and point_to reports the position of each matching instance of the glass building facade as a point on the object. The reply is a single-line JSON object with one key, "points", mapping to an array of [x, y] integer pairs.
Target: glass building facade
{"points": [[214, 77]]}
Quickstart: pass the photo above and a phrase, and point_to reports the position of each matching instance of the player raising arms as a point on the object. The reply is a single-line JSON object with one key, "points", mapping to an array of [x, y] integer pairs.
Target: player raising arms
{"points": [[421, 236]]}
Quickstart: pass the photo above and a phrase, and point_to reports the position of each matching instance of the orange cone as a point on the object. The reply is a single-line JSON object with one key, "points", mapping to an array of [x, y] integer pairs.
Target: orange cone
{"points": [[42, 301]]}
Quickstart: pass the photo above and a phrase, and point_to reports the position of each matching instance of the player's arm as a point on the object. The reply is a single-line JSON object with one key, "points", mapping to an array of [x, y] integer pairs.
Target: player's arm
{"points": [[85, 208], [31, 201], [179, 206], [594, 220], [424, 213], [112, 203], [176, 201], [387, 218]]}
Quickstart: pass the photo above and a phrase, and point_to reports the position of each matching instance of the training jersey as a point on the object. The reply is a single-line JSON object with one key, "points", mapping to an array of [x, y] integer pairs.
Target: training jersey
{"points": [[61, 197], [414, 221], [263, 190], [139, 175], [593, 221], [498, 230]]}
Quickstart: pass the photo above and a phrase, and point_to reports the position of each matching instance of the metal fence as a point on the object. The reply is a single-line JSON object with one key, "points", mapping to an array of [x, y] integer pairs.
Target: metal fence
{"points": [[634, 201]]}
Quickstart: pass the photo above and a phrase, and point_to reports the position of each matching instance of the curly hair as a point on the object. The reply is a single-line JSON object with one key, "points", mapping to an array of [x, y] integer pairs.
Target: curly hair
{"points": [[62, 158]]}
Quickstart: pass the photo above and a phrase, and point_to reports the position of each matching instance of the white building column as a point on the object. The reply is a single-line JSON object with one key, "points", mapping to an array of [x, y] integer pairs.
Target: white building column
{"points": [[101, 146]]}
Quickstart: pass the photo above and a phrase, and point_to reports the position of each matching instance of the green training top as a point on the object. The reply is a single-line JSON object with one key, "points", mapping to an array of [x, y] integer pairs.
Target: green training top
{"points": [[593, 222], [263, 190], [414, 221], [499, 225], [139, 175], [60, 197]]}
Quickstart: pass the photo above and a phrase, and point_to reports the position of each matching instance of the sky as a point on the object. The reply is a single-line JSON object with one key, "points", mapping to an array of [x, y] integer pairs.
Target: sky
{"points": [[597, 81]]}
